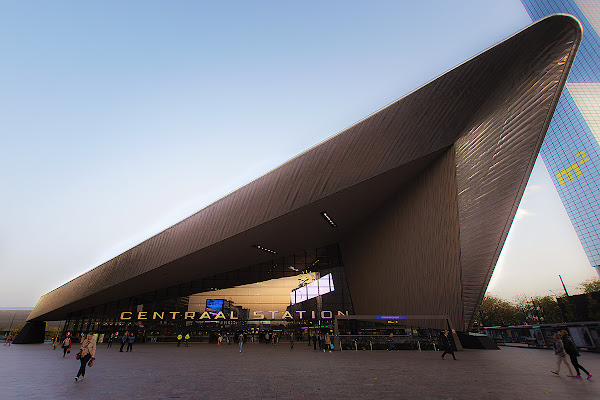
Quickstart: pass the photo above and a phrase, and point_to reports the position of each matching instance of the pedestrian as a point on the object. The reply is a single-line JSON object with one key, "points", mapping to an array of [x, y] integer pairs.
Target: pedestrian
{"points": [[123, 341], [54, 342], [110, 340], [571, 350], [314, 342], [130, 341], [309, 337], [66, 344], [187, 339], [392, 345], [8, 340], [179, 337], [291, 340], [86, 354], [328, 345], [241, 340], [447, 345], [561, 355], [219, 339], [267, 338]]}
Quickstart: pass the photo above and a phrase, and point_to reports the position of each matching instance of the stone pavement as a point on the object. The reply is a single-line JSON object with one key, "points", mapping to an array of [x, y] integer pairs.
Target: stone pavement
{"points": [[207, 371]]}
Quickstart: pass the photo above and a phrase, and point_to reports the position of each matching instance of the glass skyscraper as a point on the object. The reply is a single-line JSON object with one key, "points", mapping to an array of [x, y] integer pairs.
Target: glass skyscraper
{"points": [[571, 150]]}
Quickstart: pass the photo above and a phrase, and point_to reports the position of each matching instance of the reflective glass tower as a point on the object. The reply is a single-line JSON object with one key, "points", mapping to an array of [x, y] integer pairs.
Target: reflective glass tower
{"points": [[571, 150]]}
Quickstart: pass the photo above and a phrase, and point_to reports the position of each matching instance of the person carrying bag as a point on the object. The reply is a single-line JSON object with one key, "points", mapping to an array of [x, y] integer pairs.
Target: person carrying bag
{"points": [[86, 354]]}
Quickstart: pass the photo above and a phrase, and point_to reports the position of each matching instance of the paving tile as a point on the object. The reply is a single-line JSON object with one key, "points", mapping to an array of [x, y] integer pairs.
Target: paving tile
{"points": [[205, 371]]}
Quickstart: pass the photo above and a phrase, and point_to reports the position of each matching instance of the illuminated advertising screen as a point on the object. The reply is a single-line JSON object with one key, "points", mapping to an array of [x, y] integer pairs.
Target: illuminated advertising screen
{"points": [[214, 306]]}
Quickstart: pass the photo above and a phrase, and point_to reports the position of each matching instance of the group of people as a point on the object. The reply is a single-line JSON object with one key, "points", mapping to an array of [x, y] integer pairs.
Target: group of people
{"points": [[323, 341], [127, 338], [565, 346], [180, 337]]}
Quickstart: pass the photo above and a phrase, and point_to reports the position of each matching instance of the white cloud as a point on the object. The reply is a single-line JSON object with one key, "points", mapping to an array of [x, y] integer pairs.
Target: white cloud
{"points": [[523, 213], [531, 189]]}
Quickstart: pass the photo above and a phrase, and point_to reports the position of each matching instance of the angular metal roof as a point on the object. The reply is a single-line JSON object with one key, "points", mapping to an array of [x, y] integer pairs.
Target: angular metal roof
{"points": [[493, 109]]}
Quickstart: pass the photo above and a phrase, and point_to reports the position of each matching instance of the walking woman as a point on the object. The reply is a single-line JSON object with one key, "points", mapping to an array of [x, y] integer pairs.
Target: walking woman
{"points": [[573, 353], [66, 344], [86, 354], [561, 355]]}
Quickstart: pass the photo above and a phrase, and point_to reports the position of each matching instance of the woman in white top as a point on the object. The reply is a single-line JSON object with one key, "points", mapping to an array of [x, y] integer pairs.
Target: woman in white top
{"points": [[88, 352]]}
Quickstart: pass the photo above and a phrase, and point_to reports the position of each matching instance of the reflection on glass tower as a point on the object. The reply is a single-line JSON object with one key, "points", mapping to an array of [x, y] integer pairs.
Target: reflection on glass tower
{"points": [[571, 150]]}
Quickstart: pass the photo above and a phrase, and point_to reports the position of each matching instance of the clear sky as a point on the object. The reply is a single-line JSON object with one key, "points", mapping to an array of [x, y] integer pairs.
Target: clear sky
{"points": [[120, 118]]}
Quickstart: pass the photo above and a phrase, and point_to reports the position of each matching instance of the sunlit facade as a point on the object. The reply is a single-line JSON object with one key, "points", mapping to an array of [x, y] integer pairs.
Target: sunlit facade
{"points": [[571, 150]]}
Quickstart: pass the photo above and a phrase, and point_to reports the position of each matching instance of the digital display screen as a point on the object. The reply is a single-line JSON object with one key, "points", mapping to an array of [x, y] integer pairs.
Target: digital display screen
{"points": [[214, 306]]}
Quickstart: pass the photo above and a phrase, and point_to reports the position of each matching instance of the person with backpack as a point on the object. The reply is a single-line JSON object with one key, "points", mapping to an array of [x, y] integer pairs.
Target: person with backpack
{"points": [[573, 353]]}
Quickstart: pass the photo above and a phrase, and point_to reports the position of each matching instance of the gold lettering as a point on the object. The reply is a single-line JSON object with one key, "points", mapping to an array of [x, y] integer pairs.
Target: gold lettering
{"points": [[205, 315], [123, 315], [287, 315], [220, 315], [584, 158], [273, 314], [313, 314], [567, 172], [323, 314], [259, 315], [173, 314], [142, 315], [301, 312], [189, 315], [159, 315], [342, 313], [231, 316]]}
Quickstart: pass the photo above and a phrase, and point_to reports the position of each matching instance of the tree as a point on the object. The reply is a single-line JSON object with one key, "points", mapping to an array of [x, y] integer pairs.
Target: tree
{"points": [[496, 311], [548, 308], [16, 330], [52, 332], [590, 285]]}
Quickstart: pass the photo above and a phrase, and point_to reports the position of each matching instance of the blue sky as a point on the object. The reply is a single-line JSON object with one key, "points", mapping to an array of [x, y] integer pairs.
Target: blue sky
{"points": [[120, 118]]}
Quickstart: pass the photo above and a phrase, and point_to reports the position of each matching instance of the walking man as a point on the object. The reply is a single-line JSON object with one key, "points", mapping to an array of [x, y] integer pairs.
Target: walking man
{"points": [[392, 345], [241, 340], [447, 344], [292, 341], [187, 339]]}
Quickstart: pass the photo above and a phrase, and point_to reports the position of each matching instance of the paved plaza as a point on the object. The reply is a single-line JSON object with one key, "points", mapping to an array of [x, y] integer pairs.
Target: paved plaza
{"points": [[207, 371]]}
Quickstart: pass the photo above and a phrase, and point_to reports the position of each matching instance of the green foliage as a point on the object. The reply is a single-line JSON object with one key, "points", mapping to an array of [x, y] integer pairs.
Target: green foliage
{"points": [[52, 333], [593, 307], [548, 308], [495, 311], [590, 285], [16, 330]]}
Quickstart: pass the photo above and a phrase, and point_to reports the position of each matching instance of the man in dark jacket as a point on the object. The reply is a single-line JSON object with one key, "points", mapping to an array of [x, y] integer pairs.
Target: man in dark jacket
{"points": [[123, 341], [447, 345]]}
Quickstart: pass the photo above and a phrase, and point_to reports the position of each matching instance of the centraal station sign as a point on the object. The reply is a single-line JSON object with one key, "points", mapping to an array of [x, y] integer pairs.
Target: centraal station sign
{"points": [[257, 315]]}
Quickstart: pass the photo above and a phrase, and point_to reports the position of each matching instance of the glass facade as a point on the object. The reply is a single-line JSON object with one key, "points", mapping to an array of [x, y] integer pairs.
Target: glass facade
{"points": [[571, 150]]}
